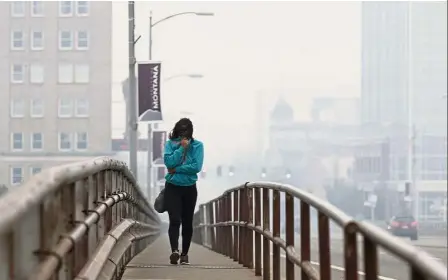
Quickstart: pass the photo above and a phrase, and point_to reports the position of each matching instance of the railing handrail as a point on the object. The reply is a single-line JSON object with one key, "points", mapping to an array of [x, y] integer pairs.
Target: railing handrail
{"points": [[15, 203], [414, 256], [332, 211]]}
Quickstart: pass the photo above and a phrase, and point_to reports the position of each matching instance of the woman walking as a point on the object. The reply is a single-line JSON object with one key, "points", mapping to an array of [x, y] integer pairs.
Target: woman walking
{"points": [[183, 158]]}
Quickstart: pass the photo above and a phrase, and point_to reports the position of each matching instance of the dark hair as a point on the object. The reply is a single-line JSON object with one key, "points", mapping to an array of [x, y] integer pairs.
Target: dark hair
{"points": [[183, 128]]}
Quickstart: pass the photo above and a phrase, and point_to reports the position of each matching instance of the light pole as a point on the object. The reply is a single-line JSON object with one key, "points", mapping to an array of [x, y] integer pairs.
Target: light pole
{"points": [[133, 131], [411, 130], [150, 128], [191, 76]]}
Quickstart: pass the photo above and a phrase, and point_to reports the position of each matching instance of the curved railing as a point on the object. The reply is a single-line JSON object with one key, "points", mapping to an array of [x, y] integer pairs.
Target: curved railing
{"points": [[240, 218], [75, 221]]}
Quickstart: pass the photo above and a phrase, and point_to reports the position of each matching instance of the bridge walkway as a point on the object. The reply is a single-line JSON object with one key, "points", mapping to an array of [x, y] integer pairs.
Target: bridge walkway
{"points": [[152, 263]]}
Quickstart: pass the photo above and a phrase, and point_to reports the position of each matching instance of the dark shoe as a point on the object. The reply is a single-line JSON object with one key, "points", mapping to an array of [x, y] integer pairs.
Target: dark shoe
{"points": [[184, 259], [174, 258]]}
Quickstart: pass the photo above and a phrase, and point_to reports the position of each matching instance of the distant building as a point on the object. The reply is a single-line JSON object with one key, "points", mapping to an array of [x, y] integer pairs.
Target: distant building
{"points": [[338, 111], [55, 101], [404, 50], [390, 31]]}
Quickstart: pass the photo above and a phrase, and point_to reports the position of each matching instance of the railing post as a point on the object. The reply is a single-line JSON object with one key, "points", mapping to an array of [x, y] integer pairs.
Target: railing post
{"points": [[257, 235], [236, 229], [202, 221], [242, 229], [350, 252], [266, 243], [212, 222], [324, 247], [225, 236], [276, 233], [230, 239], [305, 235], [250, 233], [370, 260], [219, 228], [289, 227]]}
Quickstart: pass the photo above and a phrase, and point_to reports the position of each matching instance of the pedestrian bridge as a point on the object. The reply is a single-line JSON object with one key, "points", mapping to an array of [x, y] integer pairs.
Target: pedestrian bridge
{"points": [[89, 220]]}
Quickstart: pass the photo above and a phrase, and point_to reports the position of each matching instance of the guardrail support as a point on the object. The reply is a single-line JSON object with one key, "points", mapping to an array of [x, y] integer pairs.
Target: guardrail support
{"points": [[289, 227], [236, 229], [266, 227], [305, 236], [276, 233], [257, 235], [324, 247]]}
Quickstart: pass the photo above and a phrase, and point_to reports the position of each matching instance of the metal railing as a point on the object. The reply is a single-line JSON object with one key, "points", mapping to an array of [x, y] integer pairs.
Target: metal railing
{"points": [[83, 220], [241, 218]]}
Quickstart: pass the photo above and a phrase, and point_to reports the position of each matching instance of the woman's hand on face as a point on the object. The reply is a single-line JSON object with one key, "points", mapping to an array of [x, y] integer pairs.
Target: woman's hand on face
{"points": [[171, 170], [184, 142]]}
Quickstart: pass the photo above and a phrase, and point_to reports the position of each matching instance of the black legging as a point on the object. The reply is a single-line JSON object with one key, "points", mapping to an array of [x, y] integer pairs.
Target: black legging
{"points": [[180, 201]]}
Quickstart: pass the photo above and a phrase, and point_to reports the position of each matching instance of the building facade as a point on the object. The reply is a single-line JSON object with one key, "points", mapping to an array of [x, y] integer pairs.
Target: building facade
{"points": [[404, 50], [404, 61], [55, 86], [404, 70]]}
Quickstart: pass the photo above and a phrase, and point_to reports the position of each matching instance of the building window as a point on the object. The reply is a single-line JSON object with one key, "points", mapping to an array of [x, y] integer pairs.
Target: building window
{"points": [[17, 108], [65, 141], [37, 108], [65, 40], [65, 73], [17, 40], [16, 175], [82, 108], [34, 170], [37, 8], [37, 40], [82, 42], [65, 8], [65, 108], [17, 141], [82, 73], [18, 8], [36, 74], [81, 141], [82, 8], [37, 141], [17, 73]]}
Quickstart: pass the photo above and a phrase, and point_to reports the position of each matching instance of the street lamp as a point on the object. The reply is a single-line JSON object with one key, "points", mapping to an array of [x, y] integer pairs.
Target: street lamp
{"points": [[191, 76], [152, 25]]}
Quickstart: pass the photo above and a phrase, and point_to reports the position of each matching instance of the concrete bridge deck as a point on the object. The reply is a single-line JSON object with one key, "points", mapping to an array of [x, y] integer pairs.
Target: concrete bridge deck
{"points": [[153, 263]]}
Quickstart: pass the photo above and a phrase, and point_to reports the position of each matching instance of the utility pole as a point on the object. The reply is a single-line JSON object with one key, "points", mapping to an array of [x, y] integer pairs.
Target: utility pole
{"points": [[149, 173], [133, 125], [411, 128]]}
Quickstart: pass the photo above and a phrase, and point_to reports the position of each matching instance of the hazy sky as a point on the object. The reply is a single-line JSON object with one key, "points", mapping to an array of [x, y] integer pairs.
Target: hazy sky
{"points": [[300, 50]]}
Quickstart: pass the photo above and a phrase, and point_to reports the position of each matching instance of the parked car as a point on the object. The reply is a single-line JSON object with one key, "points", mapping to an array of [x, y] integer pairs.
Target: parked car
{"points": [[404, 225]]}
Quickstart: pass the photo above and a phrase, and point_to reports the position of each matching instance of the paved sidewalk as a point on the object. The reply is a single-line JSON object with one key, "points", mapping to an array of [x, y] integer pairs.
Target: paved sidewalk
{"points": [[153, 263]]}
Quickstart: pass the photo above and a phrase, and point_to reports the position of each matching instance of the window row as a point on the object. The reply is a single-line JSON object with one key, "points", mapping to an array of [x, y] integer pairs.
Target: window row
{"points": [[66, 141], [66, 108], [67, 40], [67, 73], [37, 8], [17, 174]]}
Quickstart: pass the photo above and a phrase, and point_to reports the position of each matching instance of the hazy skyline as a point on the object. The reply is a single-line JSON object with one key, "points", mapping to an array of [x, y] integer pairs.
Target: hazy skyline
{"points": [[309, 48]]}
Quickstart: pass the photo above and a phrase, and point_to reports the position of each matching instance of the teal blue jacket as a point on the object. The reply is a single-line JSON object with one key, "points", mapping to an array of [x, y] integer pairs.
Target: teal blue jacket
{"points": [[187, 168]]}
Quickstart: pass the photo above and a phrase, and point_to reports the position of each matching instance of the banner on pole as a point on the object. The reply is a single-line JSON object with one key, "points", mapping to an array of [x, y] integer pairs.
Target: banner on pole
{"points": [[158, 147], [149, 105]]}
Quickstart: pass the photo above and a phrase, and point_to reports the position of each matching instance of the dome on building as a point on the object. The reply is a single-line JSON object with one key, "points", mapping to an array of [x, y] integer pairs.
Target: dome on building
{"points": [[282, 112]]}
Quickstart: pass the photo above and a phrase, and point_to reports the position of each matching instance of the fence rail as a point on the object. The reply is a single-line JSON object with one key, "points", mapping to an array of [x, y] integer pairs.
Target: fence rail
{"points": [[241, 218], [76, 221]]}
